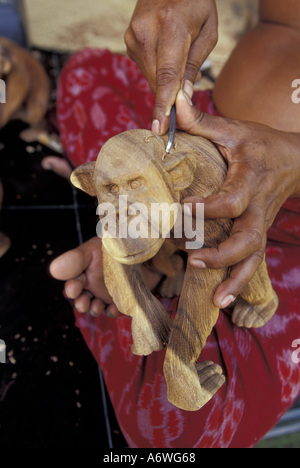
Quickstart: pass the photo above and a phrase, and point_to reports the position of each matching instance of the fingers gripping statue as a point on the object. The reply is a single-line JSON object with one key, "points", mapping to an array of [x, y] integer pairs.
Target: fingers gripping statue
{"points": [[135, 164]]}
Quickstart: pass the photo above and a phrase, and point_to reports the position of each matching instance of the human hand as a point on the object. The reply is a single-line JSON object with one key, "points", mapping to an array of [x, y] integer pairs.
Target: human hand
{"points": [[169, 40], [263, 172], [82, 271]]}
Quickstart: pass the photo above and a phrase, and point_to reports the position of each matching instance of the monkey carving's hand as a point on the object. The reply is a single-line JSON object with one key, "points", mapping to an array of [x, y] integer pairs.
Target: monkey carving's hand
{"points": [[263, 172], [169, 40]]}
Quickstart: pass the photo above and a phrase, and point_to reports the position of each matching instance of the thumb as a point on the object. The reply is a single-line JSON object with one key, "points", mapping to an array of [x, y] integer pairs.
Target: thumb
{"points": [[195, 122]]}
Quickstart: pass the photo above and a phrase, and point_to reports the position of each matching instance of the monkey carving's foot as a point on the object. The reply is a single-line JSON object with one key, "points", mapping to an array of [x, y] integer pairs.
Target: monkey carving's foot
{"points": [[191, 386], [210, 376], [254, 316], [172, 286]]}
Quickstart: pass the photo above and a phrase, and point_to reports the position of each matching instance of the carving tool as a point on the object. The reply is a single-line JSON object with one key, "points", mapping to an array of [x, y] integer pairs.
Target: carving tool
{"points": [[172, 129]]}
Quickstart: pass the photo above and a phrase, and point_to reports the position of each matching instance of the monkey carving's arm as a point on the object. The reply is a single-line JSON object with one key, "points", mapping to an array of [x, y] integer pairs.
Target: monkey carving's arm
{"points": [[151, 324], [134, 164]]}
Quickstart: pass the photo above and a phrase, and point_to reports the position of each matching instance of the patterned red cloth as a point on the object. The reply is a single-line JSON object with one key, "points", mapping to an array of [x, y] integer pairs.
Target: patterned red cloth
{"points": [[101, 95]]}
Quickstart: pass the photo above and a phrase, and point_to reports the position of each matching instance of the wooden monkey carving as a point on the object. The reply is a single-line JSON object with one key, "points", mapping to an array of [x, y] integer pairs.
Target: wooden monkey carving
{"points": [[27, 87], [134, 164]]}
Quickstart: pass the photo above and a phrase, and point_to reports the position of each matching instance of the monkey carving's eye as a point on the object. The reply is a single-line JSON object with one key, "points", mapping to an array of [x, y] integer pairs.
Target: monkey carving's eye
{"points": [[114, 189], [135, 184]]}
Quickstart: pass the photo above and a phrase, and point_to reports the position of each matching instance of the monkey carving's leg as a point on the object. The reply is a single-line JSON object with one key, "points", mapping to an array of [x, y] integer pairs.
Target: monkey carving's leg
{"points": [[257, 303], [151, 323], [191, 385], [168, 262]]}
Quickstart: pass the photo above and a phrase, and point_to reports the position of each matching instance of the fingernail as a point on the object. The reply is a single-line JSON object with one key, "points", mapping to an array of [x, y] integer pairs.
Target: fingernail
{"points": [[187, 208], [188, 88], [156, 126], [227, 301], [198, 264], [168, 111], [183, 95]]}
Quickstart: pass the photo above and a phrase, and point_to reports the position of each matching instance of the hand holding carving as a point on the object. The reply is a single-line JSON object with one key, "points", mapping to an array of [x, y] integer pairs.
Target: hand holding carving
{"points": [[134, 165]]}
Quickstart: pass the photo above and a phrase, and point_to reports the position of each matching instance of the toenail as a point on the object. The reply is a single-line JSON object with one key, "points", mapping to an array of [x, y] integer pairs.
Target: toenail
{"points": [[109, 314], [93, 313]]}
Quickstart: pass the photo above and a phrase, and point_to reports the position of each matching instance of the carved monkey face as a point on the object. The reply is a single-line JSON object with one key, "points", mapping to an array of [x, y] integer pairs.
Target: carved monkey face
{"points": [[130, 167]]}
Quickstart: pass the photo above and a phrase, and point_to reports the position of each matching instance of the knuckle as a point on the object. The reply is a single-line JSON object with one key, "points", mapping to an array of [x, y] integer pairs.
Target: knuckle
{"points": [[220, 263], [212, 37], [218, 260], [137, 25], [129, 39], [235, 205], [254, 241], [192, 68], [200, 119], [166, 75], [165, 14], [238, 282], [240, 285], [131, 45], [259, 257]]}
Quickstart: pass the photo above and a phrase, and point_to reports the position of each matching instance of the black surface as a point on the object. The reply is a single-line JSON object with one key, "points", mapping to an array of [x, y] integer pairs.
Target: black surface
{"points": [[50, 392]]}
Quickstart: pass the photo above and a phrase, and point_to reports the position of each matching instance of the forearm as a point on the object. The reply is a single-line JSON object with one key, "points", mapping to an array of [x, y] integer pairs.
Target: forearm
{"points": [[280, 12], [256, 82]]}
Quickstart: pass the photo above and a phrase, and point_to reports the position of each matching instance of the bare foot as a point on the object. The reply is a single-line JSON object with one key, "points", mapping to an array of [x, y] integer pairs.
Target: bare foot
{"points": [[82, 270], [60, 166]]}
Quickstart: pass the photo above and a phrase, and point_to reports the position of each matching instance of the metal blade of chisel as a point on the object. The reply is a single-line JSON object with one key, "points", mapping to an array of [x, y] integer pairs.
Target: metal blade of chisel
{"points": [[172, 130]]}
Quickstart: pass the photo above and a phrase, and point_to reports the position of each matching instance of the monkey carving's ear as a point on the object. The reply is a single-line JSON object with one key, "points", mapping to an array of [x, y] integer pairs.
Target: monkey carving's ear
{"points": [[181, 170], [82, 178]]}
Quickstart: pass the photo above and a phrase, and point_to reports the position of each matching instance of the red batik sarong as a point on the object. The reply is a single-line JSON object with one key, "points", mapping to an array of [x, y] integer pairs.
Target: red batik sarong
{"points": [[100, 95]]}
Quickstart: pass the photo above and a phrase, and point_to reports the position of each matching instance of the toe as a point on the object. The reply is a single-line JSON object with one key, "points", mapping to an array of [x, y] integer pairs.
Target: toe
{"points": [[58, 165], [83, 303], [112, 311], [71, 264], [74, 288], [97, 307]]}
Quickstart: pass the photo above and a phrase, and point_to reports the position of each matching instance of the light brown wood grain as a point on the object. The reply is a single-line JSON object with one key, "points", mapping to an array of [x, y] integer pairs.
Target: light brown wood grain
{"points": [[135, 163], [27, 85]]}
